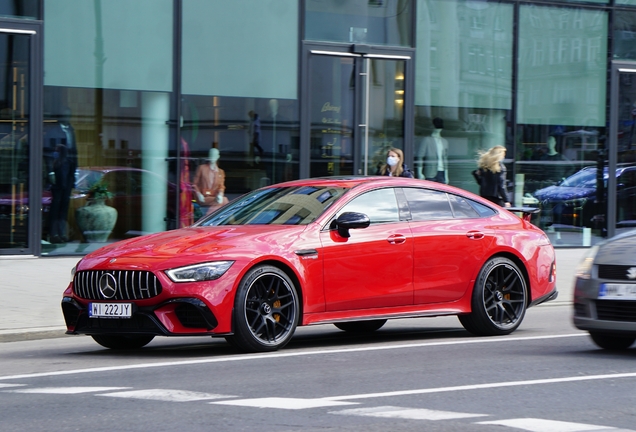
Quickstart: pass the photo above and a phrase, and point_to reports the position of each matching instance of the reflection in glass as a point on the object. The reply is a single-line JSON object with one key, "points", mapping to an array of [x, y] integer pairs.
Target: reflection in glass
{"points": [[373, 22], [464, 80], [561, 121]]}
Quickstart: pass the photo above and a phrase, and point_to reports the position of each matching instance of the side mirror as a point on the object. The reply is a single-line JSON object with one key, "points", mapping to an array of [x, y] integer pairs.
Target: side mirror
{"points": [[351, 220]]}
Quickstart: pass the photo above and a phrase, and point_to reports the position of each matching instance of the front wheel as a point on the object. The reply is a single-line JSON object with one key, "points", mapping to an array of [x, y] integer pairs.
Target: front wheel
{"points": [[122, 342], [612, 342], [499, 299], [266, 310]]}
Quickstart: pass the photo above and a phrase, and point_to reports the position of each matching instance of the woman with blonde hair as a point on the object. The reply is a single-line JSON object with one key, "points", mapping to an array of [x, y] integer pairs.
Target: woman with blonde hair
{"points": [[491, 176], [394, 165]]}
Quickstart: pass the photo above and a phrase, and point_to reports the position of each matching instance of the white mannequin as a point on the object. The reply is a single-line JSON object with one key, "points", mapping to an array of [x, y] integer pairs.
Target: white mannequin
{"points": [[214, 156], [552, 146]]}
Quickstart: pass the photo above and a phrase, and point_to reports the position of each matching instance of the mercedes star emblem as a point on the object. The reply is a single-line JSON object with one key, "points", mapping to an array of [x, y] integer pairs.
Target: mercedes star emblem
{"points": [[108, 285]]}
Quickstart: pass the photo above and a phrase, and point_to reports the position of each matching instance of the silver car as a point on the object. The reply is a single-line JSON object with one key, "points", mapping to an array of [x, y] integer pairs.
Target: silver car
{"points": [[605, 292]]}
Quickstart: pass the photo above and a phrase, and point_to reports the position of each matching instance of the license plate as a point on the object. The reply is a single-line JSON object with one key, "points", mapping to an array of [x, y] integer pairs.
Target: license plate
{"points": [[612, 291], [110, 310]]}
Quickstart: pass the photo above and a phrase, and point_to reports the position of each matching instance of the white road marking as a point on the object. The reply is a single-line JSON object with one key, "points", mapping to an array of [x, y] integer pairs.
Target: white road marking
{"points": [[540, 425], [166, 395], [283, 403], [64, 390], [406, 413], [11, 385], [249, 357], [484, 386]]}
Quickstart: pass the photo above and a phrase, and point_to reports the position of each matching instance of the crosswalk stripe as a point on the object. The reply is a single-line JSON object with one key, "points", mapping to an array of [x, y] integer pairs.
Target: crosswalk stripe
{"points": [[406, 413], [541, 425], [166, 395], [64, 390], [284, 403]]}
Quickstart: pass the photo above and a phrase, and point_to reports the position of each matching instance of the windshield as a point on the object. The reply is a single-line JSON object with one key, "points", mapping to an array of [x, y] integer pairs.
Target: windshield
{"points": [[583, 179], [276, 206]]}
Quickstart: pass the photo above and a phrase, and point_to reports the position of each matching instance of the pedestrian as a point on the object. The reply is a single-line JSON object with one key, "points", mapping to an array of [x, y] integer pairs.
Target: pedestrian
{"points": [[395, 165], [491, 176]]}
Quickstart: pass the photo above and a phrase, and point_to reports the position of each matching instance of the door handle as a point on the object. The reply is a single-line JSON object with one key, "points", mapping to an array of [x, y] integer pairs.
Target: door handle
{"points": [[475, 235], [396, 239]]}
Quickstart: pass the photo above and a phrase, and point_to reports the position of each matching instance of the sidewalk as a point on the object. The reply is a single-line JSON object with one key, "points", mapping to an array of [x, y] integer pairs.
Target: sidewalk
{"points": [[31, 291]]}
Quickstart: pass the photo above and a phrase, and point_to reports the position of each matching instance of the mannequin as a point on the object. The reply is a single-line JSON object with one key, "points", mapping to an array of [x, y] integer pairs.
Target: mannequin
{"points": [[432, 155], [560, 166], [209, 182]]}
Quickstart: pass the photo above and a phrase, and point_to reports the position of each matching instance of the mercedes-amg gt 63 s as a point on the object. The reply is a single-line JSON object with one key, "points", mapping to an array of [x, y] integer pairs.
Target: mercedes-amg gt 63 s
{"points": [[351, 251]]}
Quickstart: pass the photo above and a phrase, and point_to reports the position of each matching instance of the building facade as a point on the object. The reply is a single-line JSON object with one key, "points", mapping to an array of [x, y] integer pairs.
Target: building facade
{"points": [[110, 109]]}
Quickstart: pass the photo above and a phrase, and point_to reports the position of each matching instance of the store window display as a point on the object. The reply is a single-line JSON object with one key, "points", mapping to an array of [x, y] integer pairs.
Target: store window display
{"points": [[209, 183]]}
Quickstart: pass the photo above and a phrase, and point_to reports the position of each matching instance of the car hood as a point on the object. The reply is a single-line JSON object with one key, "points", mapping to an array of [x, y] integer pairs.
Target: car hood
{"points": [[193, 244], [562, 193], [619, 250]]}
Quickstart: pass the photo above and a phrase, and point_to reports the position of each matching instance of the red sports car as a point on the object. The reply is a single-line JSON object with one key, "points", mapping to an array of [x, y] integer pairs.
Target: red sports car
{"points": [[352, 251]]}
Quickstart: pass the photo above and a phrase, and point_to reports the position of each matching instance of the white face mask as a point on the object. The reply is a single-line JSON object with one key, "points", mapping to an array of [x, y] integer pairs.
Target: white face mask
{"points": [[392, 161]]}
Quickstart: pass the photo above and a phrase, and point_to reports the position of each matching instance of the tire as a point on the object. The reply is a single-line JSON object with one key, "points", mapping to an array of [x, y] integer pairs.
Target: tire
{"points": [[266, 310], [361, 326], [123, 342], [612, 342], [499, 299]]}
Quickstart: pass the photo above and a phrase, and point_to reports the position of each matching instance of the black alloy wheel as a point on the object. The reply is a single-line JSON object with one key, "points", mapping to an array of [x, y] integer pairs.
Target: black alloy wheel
{"points": [[122, 342], [266, 310], [499, 299]]}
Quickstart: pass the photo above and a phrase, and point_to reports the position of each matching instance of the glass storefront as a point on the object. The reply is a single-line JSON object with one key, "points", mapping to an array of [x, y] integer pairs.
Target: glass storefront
{"points": [[152, 113]]}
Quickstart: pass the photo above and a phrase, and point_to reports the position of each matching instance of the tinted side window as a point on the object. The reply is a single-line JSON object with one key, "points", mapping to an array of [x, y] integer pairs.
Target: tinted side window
{"points": [[484, 211], [461, 207], [380, 205], [427, 204]]}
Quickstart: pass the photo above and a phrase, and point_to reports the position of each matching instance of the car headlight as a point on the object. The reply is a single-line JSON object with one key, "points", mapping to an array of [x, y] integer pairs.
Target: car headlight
{"points": [[199, 272], [584, 269], [576, 202]]}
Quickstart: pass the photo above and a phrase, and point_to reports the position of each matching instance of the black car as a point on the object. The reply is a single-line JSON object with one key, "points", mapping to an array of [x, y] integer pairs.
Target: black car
{"points": [[605, 292]]}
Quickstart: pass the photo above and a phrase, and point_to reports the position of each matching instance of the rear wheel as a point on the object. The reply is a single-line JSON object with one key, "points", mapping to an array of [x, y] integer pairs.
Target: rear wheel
{"points": [[123, 342], [499, 299], [266, 310], [612, 342], [361, 326]]}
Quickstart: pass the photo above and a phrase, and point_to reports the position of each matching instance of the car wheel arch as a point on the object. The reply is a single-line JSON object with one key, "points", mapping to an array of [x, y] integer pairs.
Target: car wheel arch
{"points": [[282, 267], [520, 263]]}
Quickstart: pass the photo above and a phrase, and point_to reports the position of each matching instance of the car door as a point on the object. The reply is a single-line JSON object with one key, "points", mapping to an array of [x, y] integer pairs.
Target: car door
{"points": [[373, 267], [450, 238]]}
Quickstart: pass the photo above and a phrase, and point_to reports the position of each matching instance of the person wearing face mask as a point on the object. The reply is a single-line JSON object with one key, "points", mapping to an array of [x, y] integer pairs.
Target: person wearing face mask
{"points": [[395, 166]]}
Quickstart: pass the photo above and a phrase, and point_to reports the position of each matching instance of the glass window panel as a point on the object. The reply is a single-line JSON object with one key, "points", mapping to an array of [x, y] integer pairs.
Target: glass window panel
{"points": [[625, 2], [624, 35], [380, 205], [21, 9], [461, 207], [241, 48], [428, 205], [114, 44], [464, 54], [562, 66], [377, 22]]}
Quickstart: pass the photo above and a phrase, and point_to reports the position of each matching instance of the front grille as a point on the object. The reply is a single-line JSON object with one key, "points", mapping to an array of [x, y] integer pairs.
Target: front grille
{"points": [[614, 272], [580, 310], [138, 323], [616, 310], [128, 284]]}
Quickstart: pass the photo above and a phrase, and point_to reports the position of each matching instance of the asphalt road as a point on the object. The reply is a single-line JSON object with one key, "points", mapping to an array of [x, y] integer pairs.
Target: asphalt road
{"points": [[418, 374]]}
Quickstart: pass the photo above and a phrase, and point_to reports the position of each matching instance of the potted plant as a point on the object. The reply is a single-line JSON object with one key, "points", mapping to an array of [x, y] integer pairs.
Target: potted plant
{"points": [[96, 220]]}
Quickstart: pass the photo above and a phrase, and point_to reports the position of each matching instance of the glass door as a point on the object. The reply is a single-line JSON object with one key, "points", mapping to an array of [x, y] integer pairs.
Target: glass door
{"points": [[356, 111], [15, 142], [617, 189]]}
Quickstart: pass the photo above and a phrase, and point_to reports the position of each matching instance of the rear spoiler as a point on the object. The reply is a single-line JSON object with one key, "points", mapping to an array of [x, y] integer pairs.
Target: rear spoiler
{"points": [[526, 212]]}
